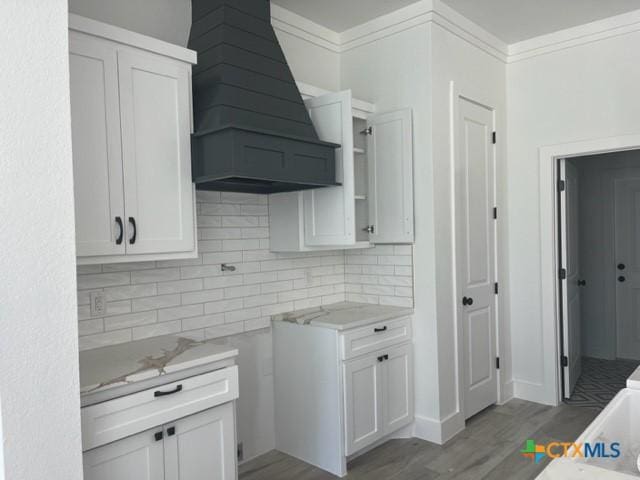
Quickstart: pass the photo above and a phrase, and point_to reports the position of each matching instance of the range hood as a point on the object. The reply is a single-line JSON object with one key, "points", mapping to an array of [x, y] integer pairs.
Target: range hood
{"points": [[252, 130]]}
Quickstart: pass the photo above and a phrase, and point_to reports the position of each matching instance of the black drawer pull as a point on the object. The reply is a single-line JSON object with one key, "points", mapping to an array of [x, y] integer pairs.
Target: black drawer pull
{"points": [[381, 329], [132, 221], [171, 431], [158, 436], [382, 358], [159, 393]]}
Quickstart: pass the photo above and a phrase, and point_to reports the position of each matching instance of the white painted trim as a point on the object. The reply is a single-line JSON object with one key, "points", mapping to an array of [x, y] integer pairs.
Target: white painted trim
{"points": [[127, 37], [438, 431], [550, 390], [301, 27], [572, 37], [436, 12]]}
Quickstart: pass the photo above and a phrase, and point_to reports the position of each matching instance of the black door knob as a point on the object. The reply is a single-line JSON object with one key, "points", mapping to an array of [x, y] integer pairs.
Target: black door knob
{"points": [[621, 278], [467, 301], [621, 266], [582, 283]]}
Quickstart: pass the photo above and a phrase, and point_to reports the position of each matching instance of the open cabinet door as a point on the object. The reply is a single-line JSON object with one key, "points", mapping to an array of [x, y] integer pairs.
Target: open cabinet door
{"points": [[329, 212], [570, 276]]}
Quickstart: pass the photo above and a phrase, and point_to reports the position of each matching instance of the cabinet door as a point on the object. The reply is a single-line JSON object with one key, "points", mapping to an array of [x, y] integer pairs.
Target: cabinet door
{"points": [[155, 117], [97, 159], [329, 213], [397, 388], [139, 457], [390, 170], [363, 402], [202, 446]]}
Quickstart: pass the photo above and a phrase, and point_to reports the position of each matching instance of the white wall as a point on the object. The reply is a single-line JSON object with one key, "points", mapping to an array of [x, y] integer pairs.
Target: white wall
{"points": [[588, 91], [168, 20], [38, 320]]}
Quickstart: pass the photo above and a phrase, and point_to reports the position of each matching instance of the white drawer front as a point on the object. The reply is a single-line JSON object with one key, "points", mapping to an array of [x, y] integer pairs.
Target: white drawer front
{"points": [[373, 337], [109, 421]]}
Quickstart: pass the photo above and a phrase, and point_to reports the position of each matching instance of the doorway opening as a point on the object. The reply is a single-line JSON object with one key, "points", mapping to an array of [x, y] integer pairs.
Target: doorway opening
{"points": [[598, 205]]}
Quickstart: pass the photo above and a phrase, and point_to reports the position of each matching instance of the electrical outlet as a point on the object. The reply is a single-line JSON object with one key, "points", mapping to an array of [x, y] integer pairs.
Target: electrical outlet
{"points": [[98, 305]]}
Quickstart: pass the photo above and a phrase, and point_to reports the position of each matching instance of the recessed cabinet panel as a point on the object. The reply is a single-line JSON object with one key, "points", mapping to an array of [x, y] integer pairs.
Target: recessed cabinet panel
{"points": [[390, 171], [97, 161], [202, 446], [363, 403], [139, 457], [329, 212], [397, 387], [156, 153]]}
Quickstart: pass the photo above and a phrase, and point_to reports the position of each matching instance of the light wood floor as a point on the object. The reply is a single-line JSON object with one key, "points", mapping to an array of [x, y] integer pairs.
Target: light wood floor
{"points": [[489, 448]]}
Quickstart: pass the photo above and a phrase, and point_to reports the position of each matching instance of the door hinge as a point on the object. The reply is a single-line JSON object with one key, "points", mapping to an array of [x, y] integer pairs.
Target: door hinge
{"points": [[493, 138], [495, 288], [561, 185], [564, 361], [563, 274], [497, 363], [240, 451], [495, 213]]}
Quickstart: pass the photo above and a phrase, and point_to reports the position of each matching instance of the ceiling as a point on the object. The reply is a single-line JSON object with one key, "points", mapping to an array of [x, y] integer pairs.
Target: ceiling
{"points": [[509, 20]]}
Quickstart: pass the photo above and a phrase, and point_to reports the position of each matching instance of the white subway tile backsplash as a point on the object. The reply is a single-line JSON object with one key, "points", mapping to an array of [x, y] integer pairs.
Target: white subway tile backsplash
{"points": [[196, 298]]}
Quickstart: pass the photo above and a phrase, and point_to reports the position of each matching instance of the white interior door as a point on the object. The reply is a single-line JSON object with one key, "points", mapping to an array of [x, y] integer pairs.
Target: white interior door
{"points": [[627, 254], [475, 252], [97, 159], [569, 234], [139, 457], [155, 118], [390, 177], [329, 212], [202, 446]]}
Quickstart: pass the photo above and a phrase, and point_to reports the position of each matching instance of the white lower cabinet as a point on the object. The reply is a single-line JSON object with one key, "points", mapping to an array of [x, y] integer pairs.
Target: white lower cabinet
{"points": [[139, 457], [198, 446], [332, 402]]}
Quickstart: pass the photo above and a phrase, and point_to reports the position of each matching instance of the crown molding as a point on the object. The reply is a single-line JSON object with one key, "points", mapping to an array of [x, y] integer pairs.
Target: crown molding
{"points": [[301, 27], [436, 12], [575, 36]]}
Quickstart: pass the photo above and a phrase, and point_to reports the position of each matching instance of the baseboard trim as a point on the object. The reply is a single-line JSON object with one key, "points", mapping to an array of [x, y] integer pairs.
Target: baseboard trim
{"points": [[438, 431]]}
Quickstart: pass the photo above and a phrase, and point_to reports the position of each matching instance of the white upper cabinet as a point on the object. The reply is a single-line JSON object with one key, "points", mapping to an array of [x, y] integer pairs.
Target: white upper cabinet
{"points": [[374, 165], [156, 150], [390, 172], [329, 212], [97, 158], [131, 126]]}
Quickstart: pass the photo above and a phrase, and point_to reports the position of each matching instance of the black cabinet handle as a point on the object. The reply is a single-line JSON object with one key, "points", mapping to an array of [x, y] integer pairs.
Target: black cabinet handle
{"points": [[159, 393], [171, 431], [382, 358], [467, 301], [381, 329], [121, 235], [158, 436], [132, 221], [582, 283], [621, 278], [621, 266]]}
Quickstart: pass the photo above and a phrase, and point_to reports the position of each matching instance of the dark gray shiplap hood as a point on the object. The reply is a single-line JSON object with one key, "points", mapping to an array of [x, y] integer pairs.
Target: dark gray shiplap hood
{"points": [[252, 130]]}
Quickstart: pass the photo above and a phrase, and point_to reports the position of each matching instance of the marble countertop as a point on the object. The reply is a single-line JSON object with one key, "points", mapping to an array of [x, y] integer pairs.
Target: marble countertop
{"points": [[342, 316], [115, 366], [567, 469]]}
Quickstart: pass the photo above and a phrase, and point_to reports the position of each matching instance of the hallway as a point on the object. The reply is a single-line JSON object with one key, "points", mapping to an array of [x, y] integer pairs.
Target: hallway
{"points": [[600, 381]]}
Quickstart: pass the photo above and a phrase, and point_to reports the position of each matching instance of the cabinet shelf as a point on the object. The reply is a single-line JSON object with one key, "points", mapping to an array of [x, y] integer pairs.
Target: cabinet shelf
{"points": [[360, 197], [359, 151]]}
